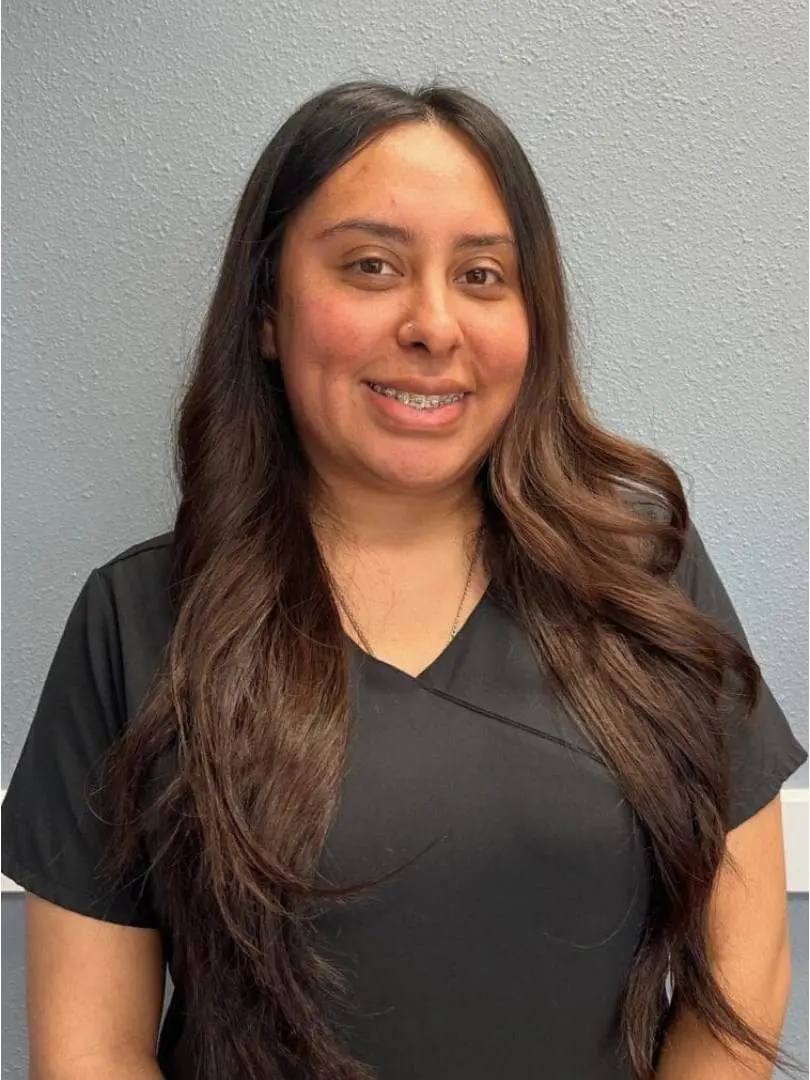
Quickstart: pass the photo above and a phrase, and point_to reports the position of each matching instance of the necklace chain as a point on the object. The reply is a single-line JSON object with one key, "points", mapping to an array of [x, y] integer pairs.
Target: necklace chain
{"points": [[453, 629]]}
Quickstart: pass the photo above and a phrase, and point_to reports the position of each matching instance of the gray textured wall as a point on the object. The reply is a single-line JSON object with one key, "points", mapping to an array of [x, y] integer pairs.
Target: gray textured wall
{"points": [[671, 140]]}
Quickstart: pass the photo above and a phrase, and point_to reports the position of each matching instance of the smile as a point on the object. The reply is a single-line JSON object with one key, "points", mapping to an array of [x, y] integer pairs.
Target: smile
{"points": [[416, 401]]}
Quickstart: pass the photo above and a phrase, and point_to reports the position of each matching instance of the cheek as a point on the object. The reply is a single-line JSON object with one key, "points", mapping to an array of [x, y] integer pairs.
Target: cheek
{"points": [[329, 337], [505, 361], [324, 351]]}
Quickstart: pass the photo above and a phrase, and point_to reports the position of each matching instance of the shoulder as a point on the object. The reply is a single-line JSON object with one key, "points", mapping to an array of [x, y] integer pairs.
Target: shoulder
{"points": [[129, 612], [695, 574], [643, 501], [139, 574], [694, 566], [145, 556]]}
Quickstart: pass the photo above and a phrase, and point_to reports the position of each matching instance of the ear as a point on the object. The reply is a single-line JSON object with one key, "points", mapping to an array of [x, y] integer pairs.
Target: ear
{"points": [[267, 340]]}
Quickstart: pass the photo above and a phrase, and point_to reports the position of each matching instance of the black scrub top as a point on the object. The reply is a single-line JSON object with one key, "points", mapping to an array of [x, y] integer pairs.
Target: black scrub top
{"points": [[504, 948]]}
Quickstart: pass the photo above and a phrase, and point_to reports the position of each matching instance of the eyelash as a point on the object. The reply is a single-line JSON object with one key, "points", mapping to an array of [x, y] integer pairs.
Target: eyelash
{"points": [[376, 259]]}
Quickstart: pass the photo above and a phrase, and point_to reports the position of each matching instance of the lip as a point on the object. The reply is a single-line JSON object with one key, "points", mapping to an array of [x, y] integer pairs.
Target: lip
{"points": [[427, 387], [398, 417]]}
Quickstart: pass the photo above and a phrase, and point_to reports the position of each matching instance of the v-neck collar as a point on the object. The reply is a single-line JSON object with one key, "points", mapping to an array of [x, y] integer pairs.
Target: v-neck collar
{"points": [[443, 661]]}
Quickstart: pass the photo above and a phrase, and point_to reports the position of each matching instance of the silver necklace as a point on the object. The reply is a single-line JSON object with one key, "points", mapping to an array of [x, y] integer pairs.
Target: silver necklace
{"points": [[453, 629]]}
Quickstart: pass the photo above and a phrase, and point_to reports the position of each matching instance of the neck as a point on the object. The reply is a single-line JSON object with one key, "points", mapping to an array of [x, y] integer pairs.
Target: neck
{"points": [[395, 521]]}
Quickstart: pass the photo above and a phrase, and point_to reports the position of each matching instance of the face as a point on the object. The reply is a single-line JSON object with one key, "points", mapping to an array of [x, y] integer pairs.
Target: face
{"points": [[402, 341]]}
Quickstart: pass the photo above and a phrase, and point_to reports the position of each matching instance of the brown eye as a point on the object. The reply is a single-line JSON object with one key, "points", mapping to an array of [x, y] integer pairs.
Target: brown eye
{"points": [[368, 261], [482, 271]]}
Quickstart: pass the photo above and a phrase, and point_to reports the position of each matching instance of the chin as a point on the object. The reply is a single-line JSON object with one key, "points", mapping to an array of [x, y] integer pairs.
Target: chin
{"points": [[419, 477]]}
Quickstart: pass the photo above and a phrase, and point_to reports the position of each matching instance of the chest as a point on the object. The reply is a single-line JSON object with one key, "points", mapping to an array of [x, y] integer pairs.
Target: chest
{"points": [[411, 626], [519, 880], [480, 791]]}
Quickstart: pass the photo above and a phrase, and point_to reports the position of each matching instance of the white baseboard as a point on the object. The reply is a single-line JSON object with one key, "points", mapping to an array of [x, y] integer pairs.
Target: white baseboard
{"points": [[795, 802]]}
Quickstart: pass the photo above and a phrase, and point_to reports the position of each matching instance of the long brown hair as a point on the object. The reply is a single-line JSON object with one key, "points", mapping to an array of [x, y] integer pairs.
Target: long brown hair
{"points": [[251, 709]]}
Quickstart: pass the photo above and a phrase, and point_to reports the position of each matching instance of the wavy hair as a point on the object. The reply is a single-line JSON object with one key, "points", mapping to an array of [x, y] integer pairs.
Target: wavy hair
{"points": [[248, 718]]}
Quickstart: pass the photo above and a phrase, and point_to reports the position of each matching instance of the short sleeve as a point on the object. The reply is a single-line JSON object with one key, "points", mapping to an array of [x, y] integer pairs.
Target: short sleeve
{"points": [[763, 751], [52, 838]]}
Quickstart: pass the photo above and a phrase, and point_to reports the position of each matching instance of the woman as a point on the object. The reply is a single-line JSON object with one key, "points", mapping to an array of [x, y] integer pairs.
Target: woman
{"points": [[428, 743]]}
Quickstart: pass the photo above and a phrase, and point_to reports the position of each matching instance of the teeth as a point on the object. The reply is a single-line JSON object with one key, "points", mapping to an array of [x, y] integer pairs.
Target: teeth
{"points": [[416, 401]]}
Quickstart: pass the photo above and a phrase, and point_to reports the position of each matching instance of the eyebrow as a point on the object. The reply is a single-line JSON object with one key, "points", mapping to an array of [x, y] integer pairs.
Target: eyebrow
{"points": [[406, 236]]}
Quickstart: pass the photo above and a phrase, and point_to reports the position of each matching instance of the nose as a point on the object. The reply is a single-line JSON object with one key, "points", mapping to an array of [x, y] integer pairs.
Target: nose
{"points": [[430, 322]]}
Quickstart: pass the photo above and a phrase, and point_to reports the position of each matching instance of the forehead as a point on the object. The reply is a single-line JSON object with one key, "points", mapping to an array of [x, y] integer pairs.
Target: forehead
{"points": [[422, 173]]}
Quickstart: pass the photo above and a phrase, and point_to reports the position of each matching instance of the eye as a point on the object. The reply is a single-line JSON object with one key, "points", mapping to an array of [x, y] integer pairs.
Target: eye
{"points": [[369, 260], [499, 280], [373, 259]]}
